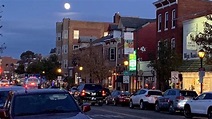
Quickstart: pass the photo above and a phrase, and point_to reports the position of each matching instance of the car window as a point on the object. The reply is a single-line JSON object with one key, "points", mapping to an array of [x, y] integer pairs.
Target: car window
{"points": [[93, 87], [154, 93], [201, 97], [188, 93], [208, 96], [3, 96], [166, 92], [142, 91], [172, 92], [33, 104]]}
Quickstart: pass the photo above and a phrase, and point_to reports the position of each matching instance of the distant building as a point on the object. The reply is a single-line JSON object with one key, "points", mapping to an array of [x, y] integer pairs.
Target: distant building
{"points": [[68, 34]]}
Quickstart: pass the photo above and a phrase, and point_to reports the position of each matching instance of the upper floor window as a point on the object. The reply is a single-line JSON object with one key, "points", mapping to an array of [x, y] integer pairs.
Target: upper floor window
{"points": [[112, 54], [75, 47], [65, 34], [159, 22], [173, 18], [166, 20], [58, 50], [105, 33], [65, 62], [76, 34], [65, 49], [119, 53], [58, 36]]}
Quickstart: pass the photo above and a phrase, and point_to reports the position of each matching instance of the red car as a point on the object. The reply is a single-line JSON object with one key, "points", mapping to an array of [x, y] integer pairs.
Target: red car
{"points": [[118, 97]]}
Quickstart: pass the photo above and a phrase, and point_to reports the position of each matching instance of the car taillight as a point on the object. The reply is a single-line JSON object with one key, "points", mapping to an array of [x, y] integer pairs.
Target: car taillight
{"points": [[180, 98], [103, 93], [83, 93], [147, 95]]}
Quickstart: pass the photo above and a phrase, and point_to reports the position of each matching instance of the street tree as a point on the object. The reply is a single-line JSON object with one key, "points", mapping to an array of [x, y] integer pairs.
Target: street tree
{"points": [[204, 39], [167, 60]]}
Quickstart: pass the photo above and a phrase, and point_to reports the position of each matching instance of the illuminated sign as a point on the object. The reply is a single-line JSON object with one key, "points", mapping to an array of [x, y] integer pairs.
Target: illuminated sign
{"points": [[132, 62]]}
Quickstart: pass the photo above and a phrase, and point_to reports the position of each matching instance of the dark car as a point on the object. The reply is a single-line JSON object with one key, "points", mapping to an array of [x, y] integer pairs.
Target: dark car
{"points": [[4, 91], [174, 99], [90, 92], [42, 104], [118, 97]]}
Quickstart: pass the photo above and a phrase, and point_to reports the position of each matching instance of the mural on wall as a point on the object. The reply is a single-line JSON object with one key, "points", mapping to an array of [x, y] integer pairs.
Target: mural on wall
{"points": [[192, 28]]}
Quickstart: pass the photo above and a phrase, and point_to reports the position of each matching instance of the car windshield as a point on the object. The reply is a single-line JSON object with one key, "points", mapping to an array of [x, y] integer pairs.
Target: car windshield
{"points": [[44, 103], [154, 93], [188, 93]]}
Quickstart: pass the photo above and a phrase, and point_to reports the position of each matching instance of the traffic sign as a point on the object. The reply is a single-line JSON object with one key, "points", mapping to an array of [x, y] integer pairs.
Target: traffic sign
{"points": [[126, 73], [126, 79]]}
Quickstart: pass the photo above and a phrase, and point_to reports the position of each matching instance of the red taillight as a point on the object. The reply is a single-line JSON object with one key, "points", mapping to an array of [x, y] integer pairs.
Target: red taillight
{"points": [[32, 83], [83, 93], [147, 95], [25, 86], [180, 98], [103, 93]]}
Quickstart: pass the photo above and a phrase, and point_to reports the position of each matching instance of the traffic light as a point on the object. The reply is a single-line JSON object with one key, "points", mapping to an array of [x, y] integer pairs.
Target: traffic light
{"points": [[180, 76]]}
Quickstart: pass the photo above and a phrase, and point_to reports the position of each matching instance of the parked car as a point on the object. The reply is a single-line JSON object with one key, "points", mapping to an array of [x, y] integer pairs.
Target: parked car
{"points": [[91, 93], [144, 98], [42, 104], [199, 106], [4, 82], [118, 97], [4, 91], [32, 83], [174, 99]]}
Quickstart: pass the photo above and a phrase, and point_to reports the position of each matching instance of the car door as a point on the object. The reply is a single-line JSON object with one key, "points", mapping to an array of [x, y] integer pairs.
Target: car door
{"points": [[196, 104], [139, 96], [205, 103], [164, 99], [134, 97]]}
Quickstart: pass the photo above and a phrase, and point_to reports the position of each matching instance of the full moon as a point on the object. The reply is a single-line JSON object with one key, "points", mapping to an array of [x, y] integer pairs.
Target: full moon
{"points": [[67, 6]]}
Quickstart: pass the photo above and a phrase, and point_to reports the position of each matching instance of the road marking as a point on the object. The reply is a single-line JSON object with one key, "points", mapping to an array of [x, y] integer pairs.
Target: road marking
{"points": [[133, 116]]}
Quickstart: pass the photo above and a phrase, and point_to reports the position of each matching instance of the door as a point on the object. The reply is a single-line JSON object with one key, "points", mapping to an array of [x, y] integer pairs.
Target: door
{"points": [[196, 104]]}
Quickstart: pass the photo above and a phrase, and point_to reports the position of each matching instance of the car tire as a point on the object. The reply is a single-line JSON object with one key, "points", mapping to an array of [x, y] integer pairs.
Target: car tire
{"points": [[157, 107], [131, 104], [187, 112], [171, 108], [114, 102], [142, 105], [210, 113], [106, 102]]}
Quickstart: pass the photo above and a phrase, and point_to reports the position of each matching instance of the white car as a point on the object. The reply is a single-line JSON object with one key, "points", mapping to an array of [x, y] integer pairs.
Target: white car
{"points": [[144, 98], [199, 106]]}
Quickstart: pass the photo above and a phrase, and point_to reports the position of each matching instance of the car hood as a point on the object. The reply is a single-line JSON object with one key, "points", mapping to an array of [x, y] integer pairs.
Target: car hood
{"points": [[56, 116]]}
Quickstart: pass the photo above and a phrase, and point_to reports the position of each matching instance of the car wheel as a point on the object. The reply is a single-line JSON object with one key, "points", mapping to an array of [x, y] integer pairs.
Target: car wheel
{"points": [[157, 107], [131, 104], [210, 113], [187, 112], [106, 102], [114, 102], [142, 105], [171, 109]]}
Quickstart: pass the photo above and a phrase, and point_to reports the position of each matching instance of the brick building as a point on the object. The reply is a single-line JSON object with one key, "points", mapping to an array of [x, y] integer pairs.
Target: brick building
{"points": [[69, 32], [170, 15]]}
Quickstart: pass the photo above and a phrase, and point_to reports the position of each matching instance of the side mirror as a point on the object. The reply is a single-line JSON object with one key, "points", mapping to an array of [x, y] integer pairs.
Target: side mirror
{"points": [[3, 113], [86, 107]]}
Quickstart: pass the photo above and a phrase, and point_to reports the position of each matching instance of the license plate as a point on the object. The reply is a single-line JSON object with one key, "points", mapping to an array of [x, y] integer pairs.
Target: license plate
{"points": [[93, 98]]}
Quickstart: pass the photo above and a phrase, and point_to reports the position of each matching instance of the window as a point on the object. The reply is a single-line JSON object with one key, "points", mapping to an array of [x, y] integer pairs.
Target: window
{"points": [[75, 47], [112, 54], [159, 22], [58, 36], [166, 21], [65, 34], [65, 49], [105, 33], [208, 96], [65, 63], [58, 50], [119, 53], [173, 18], [173, 43], [159, 45], [76, 34]]}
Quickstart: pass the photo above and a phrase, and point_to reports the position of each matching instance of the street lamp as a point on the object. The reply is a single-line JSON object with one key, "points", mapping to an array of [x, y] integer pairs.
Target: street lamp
{"points": [[126, 63], [80, 69], [59, 70], [201, 54]]}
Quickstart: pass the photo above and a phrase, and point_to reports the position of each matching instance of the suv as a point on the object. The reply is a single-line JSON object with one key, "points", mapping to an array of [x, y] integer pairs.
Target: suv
{"points": [[174, 99], [90, 92], [144, 97], [42, 104], [199, 106]]}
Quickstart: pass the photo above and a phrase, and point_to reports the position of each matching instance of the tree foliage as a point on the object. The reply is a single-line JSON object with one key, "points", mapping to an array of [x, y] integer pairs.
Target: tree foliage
{"points": [[204, 39], [167, 60]]}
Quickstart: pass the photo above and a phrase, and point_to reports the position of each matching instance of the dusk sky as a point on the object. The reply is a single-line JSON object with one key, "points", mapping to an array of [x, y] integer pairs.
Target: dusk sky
{"points": [[30, 24]]}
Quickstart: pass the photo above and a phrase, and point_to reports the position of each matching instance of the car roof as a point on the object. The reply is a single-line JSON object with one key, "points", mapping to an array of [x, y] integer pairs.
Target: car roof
{"points": [[39, 91], [9, 88]]}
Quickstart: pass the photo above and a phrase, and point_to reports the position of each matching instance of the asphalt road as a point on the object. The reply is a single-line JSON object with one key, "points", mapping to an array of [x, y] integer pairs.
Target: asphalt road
{"points": [[120, 112]]}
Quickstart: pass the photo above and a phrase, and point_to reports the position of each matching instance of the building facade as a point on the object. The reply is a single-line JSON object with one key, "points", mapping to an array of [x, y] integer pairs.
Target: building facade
{"points": [[68, 34]]}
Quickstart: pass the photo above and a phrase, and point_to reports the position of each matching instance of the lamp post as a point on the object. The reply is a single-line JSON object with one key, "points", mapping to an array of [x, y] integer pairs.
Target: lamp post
{"points": [[126, 63], [80, 69], [201, 54]]}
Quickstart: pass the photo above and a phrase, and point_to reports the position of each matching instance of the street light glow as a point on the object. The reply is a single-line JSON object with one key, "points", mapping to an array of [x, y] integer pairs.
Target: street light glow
{"points": [[201, 53], [59, 70], [67, 6], [126, 63], [80, 68]]}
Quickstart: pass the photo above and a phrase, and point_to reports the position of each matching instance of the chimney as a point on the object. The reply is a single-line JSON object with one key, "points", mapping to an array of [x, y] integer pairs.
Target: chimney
{"points": [[116, 18]]}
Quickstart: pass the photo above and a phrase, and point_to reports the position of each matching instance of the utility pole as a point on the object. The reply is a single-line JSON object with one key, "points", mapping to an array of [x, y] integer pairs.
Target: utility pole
{"points": [[2, 47]]}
